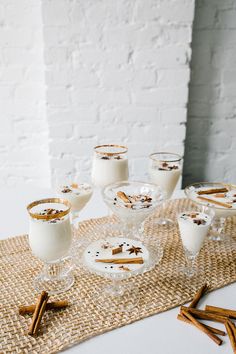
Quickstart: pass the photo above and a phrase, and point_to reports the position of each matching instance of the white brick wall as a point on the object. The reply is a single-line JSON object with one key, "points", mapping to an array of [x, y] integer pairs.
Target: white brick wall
{"points": [[116, 71], [211, 139], [23, 133]]}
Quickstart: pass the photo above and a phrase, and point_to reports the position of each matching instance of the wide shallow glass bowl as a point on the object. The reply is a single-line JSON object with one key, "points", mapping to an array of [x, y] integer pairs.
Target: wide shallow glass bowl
{"points": [[221, 197], [132, 202], [95, 255]]}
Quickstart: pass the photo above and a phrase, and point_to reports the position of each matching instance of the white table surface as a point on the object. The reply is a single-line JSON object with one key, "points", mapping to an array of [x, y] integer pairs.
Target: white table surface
{"points": [[159, 334]]}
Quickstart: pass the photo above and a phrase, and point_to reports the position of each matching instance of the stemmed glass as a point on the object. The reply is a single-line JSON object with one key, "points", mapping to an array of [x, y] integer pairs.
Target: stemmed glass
{"points": [[132, 202], [165, 169], [50, 239], [193, 227], [110, 165], [220, 197]]}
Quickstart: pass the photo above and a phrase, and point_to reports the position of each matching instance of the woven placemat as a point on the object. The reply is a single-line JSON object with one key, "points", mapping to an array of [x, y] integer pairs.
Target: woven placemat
{"points": [[160, 289]]}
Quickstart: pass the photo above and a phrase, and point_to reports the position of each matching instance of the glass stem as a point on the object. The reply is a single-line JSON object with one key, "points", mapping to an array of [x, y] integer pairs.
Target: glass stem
{"points": [[190, 262], [116, 288]]}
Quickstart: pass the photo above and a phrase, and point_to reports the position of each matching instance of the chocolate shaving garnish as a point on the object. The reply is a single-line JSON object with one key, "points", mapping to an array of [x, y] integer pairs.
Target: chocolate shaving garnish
{"points": [[199, 221], [105, 158], [66, 190], [124, 268]]}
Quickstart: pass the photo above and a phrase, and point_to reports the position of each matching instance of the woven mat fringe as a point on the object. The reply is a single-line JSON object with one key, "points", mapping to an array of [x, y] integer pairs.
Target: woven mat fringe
{"points": [[160, 289]]}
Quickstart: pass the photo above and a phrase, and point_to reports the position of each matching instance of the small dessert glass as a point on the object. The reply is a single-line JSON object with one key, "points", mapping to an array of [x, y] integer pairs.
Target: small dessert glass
{"points": [[217, 232], [193, 227], [50, 240], [78, 194], [143, 198], [110, 165], [165, 169]]}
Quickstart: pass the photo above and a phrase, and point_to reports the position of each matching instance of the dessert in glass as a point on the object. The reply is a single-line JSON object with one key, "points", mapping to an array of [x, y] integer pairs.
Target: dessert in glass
{"points": [[193, 227], [132, 202], [78, 194], [165, 169], [117, 259], [110, 165], [219, 197], [50, 240]]}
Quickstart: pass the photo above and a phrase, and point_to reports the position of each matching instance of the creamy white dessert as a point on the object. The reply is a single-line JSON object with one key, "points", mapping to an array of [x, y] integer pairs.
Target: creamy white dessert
{"points": [[109, 169], [193, 229], [223, 201], [51, 239], [103, 250], [77, 194], [131, 209], [166, 175]]}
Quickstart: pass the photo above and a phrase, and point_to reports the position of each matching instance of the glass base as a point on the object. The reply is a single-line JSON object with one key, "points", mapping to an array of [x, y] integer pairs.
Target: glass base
{"points": [[163, 222], [189, 272], [53, 286], [117, 298]]}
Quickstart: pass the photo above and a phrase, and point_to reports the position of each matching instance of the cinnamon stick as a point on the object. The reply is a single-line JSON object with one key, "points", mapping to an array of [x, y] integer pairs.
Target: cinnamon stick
{"points": [[123, 196], [53, 305], [213, 191], [117, 250], [212, 329], [221, 311], [225, 205], [38, 313], [198, 296], [202, 328], [138, 260], [231, 335], [204, 315]]}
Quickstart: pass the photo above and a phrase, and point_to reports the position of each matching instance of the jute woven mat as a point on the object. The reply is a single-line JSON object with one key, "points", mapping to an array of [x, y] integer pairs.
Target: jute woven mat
{"points": [[160, 289]]}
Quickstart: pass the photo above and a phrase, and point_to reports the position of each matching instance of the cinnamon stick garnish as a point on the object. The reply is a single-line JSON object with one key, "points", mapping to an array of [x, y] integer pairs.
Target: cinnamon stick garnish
{"points": [[225, 205], [198, 296], [204, 315], [221, 311], [123, 196], [202, 328], [138, 260], [117, 250], [38, 313], [229, 330], [53, 305], [212, 329], [213, 191]]}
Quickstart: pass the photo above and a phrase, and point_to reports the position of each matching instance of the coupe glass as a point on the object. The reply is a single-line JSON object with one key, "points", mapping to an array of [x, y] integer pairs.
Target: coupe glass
{"points": [[110, 165], [221, 213], [50, 240], [121, 294], [78, 194], [193, 227], [165, 169], [143, 200]]}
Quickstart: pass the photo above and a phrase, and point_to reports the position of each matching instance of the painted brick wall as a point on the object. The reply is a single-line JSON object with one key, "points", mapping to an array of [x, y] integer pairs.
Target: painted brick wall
{"points": [[24, 129], [116, 72], [211, 128]]}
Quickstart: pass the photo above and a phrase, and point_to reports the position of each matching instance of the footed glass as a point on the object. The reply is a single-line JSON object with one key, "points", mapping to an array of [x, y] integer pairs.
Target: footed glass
{"points": [[50, 239]]}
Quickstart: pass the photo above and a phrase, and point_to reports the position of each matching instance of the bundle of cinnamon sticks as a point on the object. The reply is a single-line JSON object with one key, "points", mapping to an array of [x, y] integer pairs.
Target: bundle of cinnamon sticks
{"points": [[38, 310], [191, 315]]}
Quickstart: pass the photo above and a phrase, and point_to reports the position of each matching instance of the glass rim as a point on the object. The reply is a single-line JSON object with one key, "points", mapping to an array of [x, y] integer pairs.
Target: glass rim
{"points": [[152, 156], [49, 200], [123, 148]]}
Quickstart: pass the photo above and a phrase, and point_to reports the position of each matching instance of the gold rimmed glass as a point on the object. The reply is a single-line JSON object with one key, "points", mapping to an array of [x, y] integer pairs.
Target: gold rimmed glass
{"points": [[110, 165], [165, 169], [50, 240]]}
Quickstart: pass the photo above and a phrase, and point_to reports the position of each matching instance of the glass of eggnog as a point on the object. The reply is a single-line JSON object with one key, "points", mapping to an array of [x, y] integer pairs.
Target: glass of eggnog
{"points": [[165, 169], [50, 238]]}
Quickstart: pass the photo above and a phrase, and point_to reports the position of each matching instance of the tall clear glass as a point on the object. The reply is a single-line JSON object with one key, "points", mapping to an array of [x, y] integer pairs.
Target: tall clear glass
{"points": [[50, 239], [165, 169], [110, 165]]}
